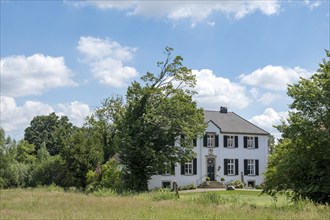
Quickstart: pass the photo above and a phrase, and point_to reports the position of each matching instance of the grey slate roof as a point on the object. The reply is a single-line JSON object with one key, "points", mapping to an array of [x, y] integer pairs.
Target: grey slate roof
{"points": [[232, 123]]}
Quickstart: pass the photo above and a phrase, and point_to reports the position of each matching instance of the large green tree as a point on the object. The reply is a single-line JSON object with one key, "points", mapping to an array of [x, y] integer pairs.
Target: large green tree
{"points": [[50, 130], [80, 153], [301, 162], [160, 122]]}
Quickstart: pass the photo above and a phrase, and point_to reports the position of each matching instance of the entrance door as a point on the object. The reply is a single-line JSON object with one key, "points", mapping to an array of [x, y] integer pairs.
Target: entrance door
{"points": [[210, 168]]}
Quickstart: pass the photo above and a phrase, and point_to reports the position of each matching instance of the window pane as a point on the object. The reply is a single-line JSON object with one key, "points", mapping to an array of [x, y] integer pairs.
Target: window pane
{"points": [[230, 141]]}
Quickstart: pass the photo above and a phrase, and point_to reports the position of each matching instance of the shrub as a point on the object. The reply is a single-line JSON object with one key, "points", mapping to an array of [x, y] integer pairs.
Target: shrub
{"points": [[51, 170], [108, 176], [237, 184]]}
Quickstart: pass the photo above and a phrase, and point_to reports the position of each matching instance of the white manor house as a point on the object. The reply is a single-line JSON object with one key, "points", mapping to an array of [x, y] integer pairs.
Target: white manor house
{"points": [[231, 148]]}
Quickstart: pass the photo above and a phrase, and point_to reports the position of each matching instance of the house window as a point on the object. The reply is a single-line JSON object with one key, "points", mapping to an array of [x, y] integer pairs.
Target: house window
{"points": [[230, 141], [188, 168], [250, 167], [210, 140], [166, 184], [250, 142], [230, 166], [251, 184]]}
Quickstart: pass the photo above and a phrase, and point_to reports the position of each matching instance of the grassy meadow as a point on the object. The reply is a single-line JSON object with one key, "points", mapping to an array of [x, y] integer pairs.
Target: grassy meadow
{"points": [[54, 203]]}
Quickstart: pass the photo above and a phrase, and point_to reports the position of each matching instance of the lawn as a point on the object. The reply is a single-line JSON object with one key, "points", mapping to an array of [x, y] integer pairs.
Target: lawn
{"points": [[57, 204]]}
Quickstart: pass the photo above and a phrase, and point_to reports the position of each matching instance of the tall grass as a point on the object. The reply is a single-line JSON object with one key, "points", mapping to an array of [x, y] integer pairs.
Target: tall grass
{"points": [[45, 203]]}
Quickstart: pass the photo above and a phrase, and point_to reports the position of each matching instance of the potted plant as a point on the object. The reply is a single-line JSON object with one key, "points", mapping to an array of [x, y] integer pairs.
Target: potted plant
{"points": [[207, 181], [222, 179]]}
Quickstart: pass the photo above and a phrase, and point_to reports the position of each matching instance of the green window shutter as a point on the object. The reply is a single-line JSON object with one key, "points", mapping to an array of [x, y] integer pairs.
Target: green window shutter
{"points": [[205, 140], [245, 142], [236, 166], [195, 166], [216, 140], [257, 167], [195, 142], [256, 144], [225, 167], [245, 167], [225, 141], [236, 141], [182, 168]]}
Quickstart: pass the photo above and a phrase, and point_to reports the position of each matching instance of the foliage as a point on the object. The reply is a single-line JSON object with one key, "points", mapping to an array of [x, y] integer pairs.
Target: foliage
{"points": [[25, 152], [81, 153], [5, 159], [16, 162], [237, 184], [301, 163], [108, 176], [160, 114], [51, 170], [271, 144], [50, 130], [104, 122]]}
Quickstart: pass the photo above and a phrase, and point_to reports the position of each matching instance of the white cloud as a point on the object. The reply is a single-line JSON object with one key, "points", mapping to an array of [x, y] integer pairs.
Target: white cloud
{"points": [[22, 76], [214, 91], [269, 98], [274, 77], [312, 4], [268, 119], [195, 11], [76, 112], [106, 59], [14, 119]]}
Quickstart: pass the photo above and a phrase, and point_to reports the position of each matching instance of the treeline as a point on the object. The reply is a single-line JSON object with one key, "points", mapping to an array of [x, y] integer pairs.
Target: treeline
{"points": [[54, 151]]}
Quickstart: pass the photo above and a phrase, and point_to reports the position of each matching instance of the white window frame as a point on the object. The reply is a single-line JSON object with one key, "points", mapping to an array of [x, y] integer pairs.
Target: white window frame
{"points": [[210, 137], [251, 165], [231, 166], [188, 168], [250, 142], [230, 141]]}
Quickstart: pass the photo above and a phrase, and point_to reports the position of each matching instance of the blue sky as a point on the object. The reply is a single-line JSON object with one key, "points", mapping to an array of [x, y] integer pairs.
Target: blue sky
{"points": [[67, 56]]}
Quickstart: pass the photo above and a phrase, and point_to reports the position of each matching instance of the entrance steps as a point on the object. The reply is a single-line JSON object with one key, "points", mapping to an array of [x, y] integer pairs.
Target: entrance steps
{"points": [[212, 184]]}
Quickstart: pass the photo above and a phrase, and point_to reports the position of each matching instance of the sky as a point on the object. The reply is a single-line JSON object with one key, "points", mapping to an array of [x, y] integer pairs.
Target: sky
{"points": [[68, 56]]}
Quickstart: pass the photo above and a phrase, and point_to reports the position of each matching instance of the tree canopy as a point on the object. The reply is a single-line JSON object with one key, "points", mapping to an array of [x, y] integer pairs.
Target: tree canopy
{"points": [[160, 122], [49, 130], [301, 162]]}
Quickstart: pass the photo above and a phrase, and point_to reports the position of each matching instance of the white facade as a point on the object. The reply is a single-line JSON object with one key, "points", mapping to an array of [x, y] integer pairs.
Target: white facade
{"points": [[246, 161]]}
